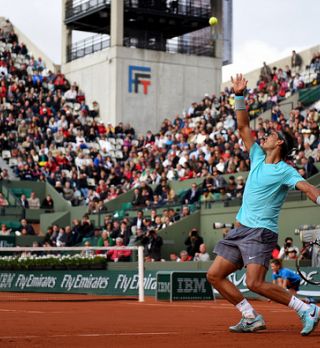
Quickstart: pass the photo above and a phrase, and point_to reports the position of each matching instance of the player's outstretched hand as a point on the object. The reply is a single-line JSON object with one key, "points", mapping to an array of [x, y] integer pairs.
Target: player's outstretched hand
{"points": [[239, 84]]}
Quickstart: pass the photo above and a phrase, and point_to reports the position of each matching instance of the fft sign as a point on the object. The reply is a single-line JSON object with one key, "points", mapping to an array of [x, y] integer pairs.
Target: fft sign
{"points": [[139, 76]]}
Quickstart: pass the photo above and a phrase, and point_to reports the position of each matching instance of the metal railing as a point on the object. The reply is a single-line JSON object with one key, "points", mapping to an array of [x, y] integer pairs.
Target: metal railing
{"points": [[175, 7], [87, 46], [171, 46], [99, 42], [79, 7]]}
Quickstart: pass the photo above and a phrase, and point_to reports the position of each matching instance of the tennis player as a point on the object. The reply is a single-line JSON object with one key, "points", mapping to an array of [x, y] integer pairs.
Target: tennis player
{"points": [[251, 243]]}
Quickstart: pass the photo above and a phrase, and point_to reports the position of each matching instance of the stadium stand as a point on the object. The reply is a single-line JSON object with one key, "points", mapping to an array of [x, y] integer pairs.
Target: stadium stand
{"points": [[49, 134]]}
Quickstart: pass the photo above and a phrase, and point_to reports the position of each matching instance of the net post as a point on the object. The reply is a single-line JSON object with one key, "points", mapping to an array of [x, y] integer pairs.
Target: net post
{"points": [[141, 273]]}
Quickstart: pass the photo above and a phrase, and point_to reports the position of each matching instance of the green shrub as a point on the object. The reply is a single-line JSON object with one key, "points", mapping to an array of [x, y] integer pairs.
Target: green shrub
{"points": [[32, 262]]}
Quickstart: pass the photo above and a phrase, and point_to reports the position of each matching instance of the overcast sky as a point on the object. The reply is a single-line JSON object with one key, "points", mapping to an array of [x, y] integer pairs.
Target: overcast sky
{"points": [[262, 30]]}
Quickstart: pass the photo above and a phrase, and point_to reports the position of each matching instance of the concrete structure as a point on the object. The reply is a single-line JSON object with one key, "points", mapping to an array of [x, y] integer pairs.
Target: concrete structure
{"points": [[110, 77], [142, 86]]}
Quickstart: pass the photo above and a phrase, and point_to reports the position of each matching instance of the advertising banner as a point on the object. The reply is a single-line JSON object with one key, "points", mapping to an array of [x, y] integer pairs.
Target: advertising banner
{"points": [[93, 282], [120, 282]]}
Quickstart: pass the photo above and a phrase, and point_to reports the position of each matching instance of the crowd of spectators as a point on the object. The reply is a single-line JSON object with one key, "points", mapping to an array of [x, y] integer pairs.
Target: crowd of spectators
{"points": [[53, 135], [48, 132]]}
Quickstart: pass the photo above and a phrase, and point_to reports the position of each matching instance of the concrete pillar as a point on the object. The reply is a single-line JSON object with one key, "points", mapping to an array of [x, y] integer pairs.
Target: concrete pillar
{"points": [[66, 35], [217, 30], [117, 9]]}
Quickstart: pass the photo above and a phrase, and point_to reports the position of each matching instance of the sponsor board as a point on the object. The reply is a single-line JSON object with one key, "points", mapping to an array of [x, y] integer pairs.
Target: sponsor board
{"points": [[7, 242], [175, 284], [179, 286], [239, 280], [98, 282]]}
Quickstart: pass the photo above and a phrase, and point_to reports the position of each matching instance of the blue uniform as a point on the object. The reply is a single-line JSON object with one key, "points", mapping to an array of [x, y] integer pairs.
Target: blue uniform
{"points": [[265, 191], [285, 273]]}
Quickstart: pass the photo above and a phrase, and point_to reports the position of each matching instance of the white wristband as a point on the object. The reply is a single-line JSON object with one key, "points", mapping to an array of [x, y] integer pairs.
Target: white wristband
{"points": [[318, 200]]}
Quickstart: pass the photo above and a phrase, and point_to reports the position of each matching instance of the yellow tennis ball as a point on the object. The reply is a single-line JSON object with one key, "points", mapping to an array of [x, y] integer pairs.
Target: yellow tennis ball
{"points": [[213, 21]]}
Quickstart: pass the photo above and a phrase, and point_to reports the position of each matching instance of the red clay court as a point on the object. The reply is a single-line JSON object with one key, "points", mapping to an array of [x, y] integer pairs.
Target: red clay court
{"points": [[86, 321]]}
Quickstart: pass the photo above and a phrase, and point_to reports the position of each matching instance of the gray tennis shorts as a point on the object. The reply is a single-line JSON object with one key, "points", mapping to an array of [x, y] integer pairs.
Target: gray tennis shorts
{"points": [[244, 245]]}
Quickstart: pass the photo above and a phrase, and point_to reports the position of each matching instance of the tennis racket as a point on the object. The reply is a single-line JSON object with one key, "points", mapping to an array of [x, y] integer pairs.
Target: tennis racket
{"points": [[311, 249]]}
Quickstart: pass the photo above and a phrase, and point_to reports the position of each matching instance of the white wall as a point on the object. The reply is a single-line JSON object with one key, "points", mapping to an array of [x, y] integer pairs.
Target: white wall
{"points": [[176, 81], [93, 75], [35, 51]]}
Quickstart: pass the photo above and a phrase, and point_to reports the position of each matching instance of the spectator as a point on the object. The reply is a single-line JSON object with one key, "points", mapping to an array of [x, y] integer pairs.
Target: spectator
{"points": [[5, 231], [296, 61], [105, 236], [193, 242], [202, 255], [47, 203], [185, 211], [231, 187], [240, 186], [68, 193], [76, 236], [184, 257], [265, 72], [292, 254], [275, 252], [192, 195], [284, 251], [119, 255], [206, 198], [157, 224], [3, 201], [137, 222], [136, 238], [24, 201], [153, 244], [218, 181], [125, 233], [137, 199], [50, 237], [86, 228], [87, 252], [26, 228], [71, 94], [61, 239], [174, 257], [34, 201]]}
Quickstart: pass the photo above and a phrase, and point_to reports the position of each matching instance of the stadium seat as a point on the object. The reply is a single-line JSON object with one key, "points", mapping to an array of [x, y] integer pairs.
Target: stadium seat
{"points": [[6, 154], [119, 141], [126, 206]]}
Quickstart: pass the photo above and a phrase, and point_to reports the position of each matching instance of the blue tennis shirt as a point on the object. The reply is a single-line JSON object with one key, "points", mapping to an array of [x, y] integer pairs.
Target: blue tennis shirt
{"points": [[285, 273], [265, 191]]}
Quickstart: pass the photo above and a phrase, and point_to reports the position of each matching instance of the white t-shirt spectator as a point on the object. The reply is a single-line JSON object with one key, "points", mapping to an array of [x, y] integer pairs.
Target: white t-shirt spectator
{"points": [[105, 144], [71, 94]]}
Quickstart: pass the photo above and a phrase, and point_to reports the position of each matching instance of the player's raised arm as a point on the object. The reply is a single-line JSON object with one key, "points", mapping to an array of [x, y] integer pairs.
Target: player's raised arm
{"points": [[311, 191], [239, 84]]}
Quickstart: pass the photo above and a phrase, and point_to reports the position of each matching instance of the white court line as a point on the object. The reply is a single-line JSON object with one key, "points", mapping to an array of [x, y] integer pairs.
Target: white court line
{"points": [[130, 334], [26, 311], [94, 335], [206, 306]]}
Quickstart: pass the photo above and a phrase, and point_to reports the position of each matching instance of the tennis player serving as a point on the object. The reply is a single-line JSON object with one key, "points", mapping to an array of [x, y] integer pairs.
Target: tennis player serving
{"points": [[251, 243]]}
